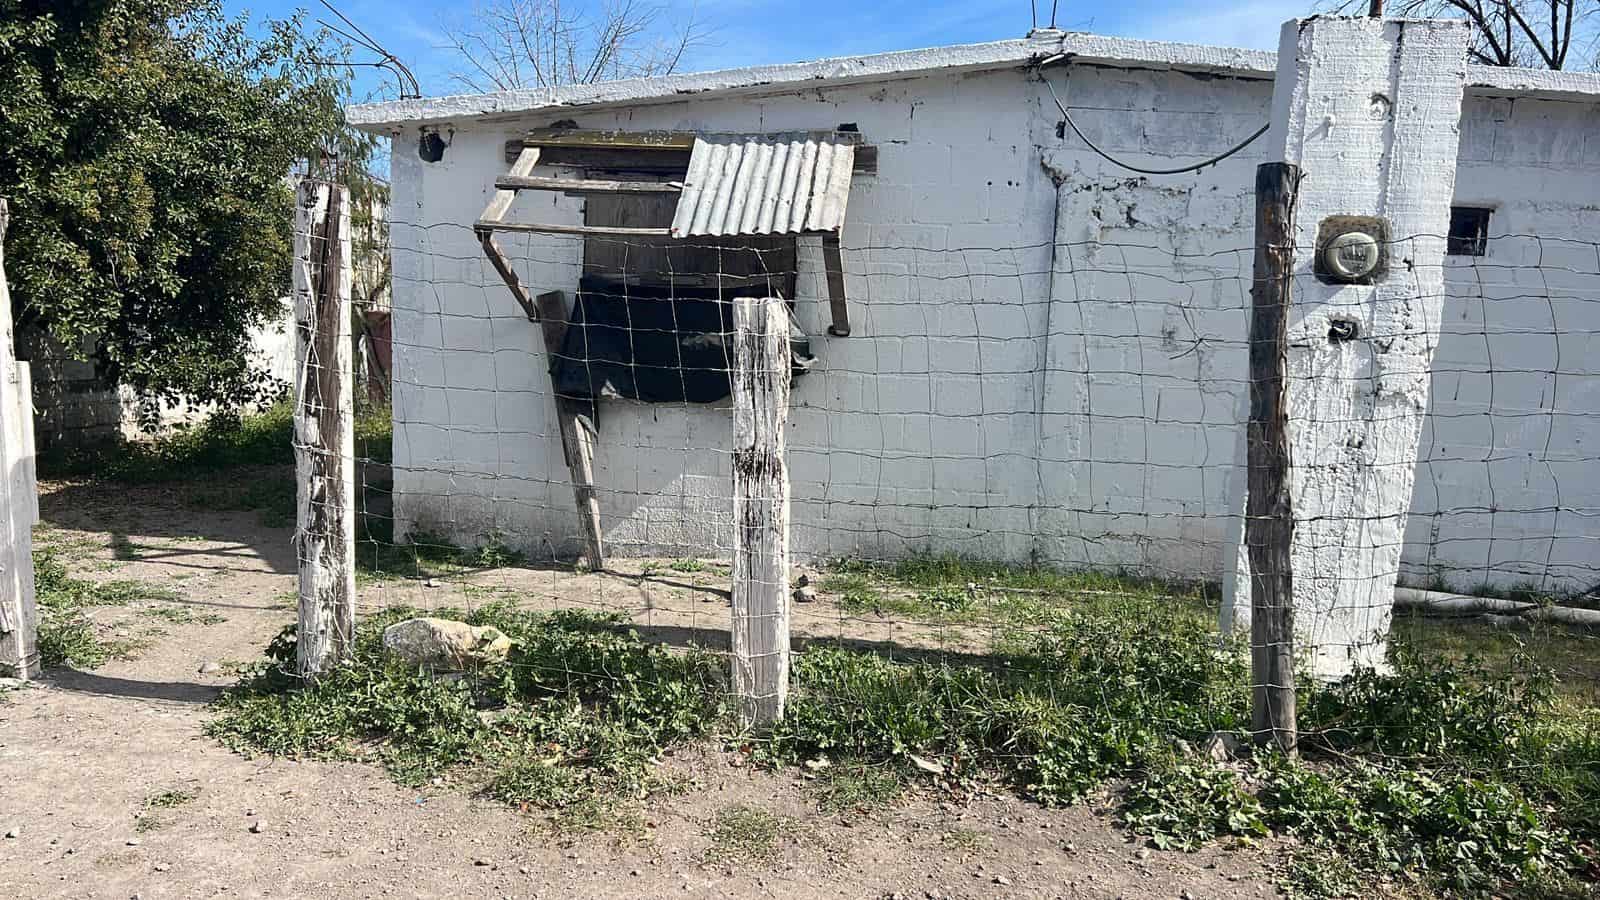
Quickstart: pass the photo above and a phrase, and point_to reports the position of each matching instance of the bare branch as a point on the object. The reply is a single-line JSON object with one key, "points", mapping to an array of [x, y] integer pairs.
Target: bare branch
{"points": [[505, 44]]}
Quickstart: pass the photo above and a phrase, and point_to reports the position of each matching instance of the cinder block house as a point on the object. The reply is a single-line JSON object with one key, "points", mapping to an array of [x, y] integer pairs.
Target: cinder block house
{"points": [[1034, 353]]}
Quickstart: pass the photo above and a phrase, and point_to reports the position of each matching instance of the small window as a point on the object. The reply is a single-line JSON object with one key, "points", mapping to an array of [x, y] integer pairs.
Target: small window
{"points": [[1469, 231]]}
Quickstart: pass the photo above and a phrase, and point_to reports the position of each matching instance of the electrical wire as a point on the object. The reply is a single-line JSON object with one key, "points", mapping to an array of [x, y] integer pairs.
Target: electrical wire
{"points": [[1140, 169]]}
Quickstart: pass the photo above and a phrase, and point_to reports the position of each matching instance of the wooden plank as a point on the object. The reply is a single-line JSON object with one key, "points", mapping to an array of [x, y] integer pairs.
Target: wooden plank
{"points": [[19, 616], [578, 433], [527, 158], [673, 161], [610, 140], [1269, 523], [497, 258], [324, 429], [760, 509], [483, 225], [586, 185], [833, 262]]}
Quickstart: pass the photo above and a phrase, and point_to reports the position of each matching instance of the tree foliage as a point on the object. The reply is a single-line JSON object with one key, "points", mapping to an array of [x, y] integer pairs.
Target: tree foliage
{"points": [[145, 146]]}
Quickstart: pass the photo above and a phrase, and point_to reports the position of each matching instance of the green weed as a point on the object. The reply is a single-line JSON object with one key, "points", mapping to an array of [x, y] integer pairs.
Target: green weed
{"points": [[746, 834], [66, 631]]}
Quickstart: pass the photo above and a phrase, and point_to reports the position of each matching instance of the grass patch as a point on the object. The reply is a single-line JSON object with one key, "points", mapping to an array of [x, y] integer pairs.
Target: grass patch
{"points": [[225, 440], [853, 787], [579, 712], [66, 632], [965, 841], [1445, 775], [148, 818], [203, 461], [379, 557], [182, 615], [745, 834]]}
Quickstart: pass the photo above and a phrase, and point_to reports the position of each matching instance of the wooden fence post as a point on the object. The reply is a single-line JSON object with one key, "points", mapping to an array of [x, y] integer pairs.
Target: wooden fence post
{"points": [[1269, 523], [324, 427], [760, 508], [19, 617]]}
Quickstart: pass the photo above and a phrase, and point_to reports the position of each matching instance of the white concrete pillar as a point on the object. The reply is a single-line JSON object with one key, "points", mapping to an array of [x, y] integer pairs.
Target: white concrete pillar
{"points": [[1369, 109]]}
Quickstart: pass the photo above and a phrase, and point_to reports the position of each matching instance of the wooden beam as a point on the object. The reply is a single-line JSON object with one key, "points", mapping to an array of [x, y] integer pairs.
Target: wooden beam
{"points": [[1269, 522], [483, 225], [527, 158], [324, 429], [611, 140], [502, 264], [586, 185], [578, 432], [760, 625], [658, 157], [833, 263]]}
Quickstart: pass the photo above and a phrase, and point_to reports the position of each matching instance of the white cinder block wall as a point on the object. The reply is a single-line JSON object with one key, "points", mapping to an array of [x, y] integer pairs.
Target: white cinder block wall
{"points": [[1048, 355]]}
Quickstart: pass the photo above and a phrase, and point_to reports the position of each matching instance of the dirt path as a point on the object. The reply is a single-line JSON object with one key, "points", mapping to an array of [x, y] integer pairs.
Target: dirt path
{"points": [[109, 788]]}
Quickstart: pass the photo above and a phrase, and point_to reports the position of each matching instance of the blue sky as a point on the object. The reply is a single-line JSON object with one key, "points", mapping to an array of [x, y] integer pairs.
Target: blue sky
{"points": [[752, 32]]}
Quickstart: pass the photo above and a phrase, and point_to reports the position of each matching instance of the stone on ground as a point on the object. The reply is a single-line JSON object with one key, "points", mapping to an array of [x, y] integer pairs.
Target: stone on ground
{"points": [[445, 644]]}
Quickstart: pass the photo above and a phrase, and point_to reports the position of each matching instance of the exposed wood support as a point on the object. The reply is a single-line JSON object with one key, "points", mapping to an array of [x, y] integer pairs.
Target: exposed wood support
{"points": [[1269, 522], [760, 509], [497, 258], [483, 225], [324, 428], [578, 432], [521, 167], [668, 154], [586, 185], [833, 262], [19, 616]]}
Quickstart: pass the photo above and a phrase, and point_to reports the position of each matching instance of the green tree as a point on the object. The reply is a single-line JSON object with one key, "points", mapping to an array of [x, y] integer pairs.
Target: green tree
{"points": [[145, 146]]}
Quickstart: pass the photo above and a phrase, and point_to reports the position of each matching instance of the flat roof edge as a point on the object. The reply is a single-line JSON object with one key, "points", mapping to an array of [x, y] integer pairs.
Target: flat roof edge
{"points": [[900, 64], [906, 64]]}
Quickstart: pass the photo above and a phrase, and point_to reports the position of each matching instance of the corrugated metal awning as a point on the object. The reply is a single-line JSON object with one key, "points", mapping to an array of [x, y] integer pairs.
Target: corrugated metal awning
{"points": [[766, 184]]}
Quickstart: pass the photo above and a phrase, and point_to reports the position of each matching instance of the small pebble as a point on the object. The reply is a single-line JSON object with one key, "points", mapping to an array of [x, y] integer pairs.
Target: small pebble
{"points": [[258, 826], [1001, 879], [14, 832], [133, 842]]}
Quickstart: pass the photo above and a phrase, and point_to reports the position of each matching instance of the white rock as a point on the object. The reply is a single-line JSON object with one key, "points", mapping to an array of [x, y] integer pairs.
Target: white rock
{"points": [[445, 644]]}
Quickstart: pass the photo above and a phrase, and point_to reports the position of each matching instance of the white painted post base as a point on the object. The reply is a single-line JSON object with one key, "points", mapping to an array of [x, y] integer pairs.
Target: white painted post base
{"points": [[1369, 109]]}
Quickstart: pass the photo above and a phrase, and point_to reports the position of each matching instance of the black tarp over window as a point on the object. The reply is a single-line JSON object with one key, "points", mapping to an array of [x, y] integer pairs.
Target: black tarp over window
{"points": [[658, 344]]}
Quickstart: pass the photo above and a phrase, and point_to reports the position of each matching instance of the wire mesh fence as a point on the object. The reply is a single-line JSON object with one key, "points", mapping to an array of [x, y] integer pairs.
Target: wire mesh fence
{"points": [[1070, 408], [993, 533]]}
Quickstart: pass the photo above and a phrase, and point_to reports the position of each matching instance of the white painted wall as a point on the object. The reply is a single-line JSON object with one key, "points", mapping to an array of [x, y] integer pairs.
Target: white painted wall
{"points": [[997, 398]]}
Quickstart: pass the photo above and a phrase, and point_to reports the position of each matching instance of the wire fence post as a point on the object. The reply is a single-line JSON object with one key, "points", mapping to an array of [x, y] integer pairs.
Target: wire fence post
{"points": [[1269, 522], [760, 508], [19, 616], [324, 427]]}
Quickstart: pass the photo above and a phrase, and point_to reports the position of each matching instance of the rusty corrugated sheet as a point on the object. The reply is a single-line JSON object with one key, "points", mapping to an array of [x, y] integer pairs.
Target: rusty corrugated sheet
{"points": [[765, 184]]}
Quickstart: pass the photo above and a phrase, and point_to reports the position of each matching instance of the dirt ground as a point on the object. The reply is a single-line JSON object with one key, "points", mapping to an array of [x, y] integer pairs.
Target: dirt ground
{"points": [[86, 759]]}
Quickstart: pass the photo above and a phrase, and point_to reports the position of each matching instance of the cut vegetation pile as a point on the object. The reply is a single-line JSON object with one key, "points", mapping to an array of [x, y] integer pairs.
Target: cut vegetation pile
{"points": [[1447, 774]]}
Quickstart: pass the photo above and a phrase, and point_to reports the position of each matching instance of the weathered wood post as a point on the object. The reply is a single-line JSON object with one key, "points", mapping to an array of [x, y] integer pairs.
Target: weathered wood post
{"points": [[1269, 524], [760, 508], [324, 427], [1369, 110], [19, 617]]}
